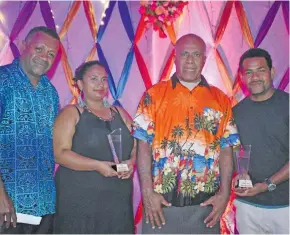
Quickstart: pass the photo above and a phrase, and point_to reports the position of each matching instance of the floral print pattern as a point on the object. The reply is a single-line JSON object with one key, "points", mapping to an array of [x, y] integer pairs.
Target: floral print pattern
{"points": [[186, 143]]}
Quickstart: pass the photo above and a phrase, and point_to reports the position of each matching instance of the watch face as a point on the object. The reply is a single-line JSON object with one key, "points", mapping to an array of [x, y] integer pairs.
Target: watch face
{"points": [[271, 187]]}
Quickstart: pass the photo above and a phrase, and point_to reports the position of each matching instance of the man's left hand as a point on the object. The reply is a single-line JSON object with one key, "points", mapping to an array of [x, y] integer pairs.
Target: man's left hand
{"points": [[219, 203], [249, 192]]}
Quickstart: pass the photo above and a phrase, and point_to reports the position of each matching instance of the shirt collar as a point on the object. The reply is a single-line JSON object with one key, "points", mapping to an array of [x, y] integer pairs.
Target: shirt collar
{"points": [[16, 62], [175, 80]]}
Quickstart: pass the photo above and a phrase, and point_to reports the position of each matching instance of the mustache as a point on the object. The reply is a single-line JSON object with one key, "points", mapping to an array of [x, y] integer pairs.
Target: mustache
{"points": [[256, 82], [42, 62]]}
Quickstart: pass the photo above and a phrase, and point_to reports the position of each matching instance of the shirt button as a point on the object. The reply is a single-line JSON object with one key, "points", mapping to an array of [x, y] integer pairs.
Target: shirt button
{"points": [[191, 107]]}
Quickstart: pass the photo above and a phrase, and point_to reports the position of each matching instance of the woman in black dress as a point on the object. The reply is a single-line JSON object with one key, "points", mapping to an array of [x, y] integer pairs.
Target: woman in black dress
{"points": [[91, 197]]}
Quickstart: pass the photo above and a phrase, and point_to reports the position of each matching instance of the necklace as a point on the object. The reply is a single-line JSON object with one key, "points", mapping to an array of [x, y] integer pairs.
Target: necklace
{"points": [[100, 118]]}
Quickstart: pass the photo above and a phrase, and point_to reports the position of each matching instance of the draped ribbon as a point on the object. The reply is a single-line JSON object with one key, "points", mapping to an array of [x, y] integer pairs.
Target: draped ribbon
{"points": [[229, 214], [218, 36], [102, 58], [223, 22], [14, 49], [138, 215], [106, 20], [47, 14], [240, 84], [139, 59], [3, 33], [171, 33], [266, 25], [3, 52], [69, 75], [244, 23], [22, 19], [168, 66], [245, 28], [125, 73], [90, 15], [4, 28], [285, 81], [223, 71], [49, 21], [142, 68], [64, 60], [19, 24], [285, 8], [91, 54], [140, 30], [126, 20], [69, 18], [53, 68]]}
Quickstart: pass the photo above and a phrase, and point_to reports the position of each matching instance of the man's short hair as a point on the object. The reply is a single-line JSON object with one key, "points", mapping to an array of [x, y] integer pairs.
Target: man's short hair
{"points": [[52, 33], [256, 52]]}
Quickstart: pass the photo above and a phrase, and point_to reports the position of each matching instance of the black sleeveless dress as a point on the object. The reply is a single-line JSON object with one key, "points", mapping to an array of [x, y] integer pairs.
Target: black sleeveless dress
{"points": [[86, 201]]}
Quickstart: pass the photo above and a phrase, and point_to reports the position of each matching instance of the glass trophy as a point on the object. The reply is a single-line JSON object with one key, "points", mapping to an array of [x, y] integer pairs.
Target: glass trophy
{"points": [[242, 162], [115, 142]]}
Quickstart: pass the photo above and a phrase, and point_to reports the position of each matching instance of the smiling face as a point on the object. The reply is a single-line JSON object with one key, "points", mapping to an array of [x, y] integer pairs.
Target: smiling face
{"points": [[190, 58], [94, 83], [258, 77], [38, 54]]}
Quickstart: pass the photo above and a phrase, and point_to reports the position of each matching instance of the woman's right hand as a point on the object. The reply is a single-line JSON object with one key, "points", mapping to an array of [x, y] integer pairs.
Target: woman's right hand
{"points": [[105, 169]]}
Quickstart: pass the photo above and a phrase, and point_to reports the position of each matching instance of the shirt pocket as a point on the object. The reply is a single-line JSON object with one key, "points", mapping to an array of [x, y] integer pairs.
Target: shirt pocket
{"points": [[211, 120]]}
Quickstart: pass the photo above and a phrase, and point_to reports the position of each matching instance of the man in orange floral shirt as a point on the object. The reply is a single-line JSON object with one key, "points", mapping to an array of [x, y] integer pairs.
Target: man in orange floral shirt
{"points": [[185, 133]]}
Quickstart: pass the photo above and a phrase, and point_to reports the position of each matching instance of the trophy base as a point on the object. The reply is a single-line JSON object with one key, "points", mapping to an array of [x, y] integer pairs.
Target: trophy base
{"points": [[245, 184], [120, 167]]}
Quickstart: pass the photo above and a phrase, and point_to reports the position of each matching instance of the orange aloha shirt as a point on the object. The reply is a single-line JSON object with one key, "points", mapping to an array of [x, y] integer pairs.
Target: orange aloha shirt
{"points": [[187, 130]]}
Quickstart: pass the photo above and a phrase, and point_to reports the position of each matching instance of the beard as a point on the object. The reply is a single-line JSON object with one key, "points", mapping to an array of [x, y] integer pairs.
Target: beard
{"points": [[190, 76], [259, 88], [39, 67]]}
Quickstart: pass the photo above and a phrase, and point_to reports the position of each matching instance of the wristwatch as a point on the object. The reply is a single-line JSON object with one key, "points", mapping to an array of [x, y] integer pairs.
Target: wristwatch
{"points": [[271, 186]]}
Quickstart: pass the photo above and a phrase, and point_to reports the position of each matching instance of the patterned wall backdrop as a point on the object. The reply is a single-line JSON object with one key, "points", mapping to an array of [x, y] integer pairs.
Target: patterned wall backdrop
{"points": [[136, 57]]}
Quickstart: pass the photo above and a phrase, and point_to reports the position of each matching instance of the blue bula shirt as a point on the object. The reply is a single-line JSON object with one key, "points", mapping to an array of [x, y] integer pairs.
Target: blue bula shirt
{"points": [[26, 130]]}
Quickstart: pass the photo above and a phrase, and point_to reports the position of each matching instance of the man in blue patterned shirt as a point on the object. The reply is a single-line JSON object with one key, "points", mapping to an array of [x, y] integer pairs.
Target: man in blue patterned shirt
{"points": [[28, 107]]}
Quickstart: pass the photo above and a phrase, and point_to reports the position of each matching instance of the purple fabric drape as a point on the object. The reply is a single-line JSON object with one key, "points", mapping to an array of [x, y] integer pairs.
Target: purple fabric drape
{"points": [[21, 21], [285, 8], [14, 49], [47, 14], [285, 81], [266, 25]]}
